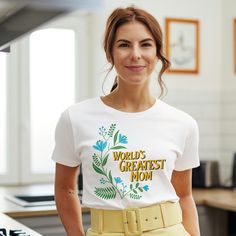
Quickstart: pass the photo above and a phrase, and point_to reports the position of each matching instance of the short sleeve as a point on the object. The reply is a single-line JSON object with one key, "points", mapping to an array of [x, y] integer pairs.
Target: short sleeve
{"points": [[64, 150], [190, 156]]}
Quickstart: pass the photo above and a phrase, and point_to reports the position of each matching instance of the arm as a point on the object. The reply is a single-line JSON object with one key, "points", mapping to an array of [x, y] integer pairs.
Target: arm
{"points": [[182, 182], [67, 201]]}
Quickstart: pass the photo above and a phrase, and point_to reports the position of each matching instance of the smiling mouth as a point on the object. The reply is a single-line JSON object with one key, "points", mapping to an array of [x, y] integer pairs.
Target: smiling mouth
{"points": [[135, 68]]}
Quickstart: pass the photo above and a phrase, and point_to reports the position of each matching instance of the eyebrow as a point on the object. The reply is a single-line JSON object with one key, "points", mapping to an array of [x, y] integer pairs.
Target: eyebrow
{"points": [[127, 41]]}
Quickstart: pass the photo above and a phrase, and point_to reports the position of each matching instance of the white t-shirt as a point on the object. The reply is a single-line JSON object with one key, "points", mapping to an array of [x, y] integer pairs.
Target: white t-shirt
{"points": [[127, 158]]}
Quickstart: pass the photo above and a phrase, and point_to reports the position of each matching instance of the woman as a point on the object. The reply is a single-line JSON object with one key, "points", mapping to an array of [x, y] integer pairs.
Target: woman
{"points": [[137, 152]]}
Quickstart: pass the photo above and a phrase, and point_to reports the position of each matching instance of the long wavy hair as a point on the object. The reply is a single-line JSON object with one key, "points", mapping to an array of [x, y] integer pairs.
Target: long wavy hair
{"points": [[122, 16]]}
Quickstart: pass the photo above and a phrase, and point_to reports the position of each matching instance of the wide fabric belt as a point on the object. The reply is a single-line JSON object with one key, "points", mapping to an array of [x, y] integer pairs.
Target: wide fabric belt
{"points": [[135, 221]]}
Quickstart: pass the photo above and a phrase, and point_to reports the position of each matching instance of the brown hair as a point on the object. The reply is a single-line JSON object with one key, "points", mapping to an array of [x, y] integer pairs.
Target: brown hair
{"points": [[122, 16]]}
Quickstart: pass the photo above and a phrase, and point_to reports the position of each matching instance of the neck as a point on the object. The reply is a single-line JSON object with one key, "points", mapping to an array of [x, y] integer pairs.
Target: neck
{"points": [[130, 99]]}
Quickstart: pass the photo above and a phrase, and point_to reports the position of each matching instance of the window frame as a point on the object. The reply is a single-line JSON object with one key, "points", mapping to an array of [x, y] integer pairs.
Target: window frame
{"points": [[2, 54], [12, 119]]}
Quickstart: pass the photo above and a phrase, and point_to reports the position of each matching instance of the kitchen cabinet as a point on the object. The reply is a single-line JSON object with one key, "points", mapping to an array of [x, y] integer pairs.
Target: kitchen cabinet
{"points": [[213, 221], [232, 223], [50, 225]]}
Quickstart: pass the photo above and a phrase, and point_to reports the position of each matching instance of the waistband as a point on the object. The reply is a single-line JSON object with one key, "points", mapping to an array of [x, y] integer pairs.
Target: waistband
{"points": [[135, 221]]}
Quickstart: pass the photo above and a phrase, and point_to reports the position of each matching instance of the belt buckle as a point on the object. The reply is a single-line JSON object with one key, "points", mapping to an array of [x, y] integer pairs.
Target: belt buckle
{"points": [[139, 231]]}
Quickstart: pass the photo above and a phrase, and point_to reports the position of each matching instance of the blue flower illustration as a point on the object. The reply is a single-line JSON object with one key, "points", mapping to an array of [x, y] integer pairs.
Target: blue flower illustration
{"points": [[146, 187], [122, 139], [118, 180], [100, 145]]}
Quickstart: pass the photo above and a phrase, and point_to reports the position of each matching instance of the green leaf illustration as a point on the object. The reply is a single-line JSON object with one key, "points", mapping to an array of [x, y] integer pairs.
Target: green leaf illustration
{"points": [[106, 193], [131, 186], [137, 184], [135, 196], [118, 147], [140, 189], [115, 138], [111, 130], [135, 191], [110, 177], [98, 170], [104, 162], [96, 160]]}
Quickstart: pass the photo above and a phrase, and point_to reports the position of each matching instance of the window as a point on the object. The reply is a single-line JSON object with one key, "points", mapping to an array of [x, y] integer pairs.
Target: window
{"points": [[38, 81], [3, 165], [52, 86]]}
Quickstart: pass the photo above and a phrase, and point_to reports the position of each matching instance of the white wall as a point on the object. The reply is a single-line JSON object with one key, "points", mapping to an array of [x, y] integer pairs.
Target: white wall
{"points": [[206, 95], [228, 84]]}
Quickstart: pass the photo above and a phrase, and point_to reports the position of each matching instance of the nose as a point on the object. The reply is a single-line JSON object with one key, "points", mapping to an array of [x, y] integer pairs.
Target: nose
{"points": [[136, 53]]}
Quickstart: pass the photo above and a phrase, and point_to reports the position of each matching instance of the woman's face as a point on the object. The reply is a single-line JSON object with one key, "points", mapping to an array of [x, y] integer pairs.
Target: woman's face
{"points": [[134, 53]]}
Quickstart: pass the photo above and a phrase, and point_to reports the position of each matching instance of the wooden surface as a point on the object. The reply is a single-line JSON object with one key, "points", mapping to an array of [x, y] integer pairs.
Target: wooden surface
{"points": [[224, 199], [220, 198], [9, 224]]}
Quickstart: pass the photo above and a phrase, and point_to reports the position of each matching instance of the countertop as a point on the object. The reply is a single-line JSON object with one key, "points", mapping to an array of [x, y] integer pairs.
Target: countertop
{"points": [[224, 199], [13, 210], [7, 223], [220, 198]]}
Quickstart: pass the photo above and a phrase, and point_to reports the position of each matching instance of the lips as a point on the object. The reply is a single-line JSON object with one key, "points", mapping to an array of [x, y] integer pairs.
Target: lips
{"points": [[137, 68]]}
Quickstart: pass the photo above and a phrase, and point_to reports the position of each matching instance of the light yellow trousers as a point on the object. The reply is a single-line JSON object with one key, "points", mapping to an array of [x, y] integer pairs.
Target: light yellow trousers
{"points": [[175, 230]]}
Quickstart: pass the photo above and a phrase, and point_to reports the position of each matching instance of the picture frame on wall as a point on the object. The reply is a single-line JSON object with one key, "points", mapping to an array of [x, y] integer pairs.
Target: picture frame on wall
{"points": [[182, 45], [234, 42]]}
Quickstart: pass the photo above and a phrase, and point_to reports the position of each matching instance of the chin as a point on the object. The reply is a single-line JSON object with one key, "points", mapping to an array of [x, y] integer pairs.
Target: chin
{"points": [[138, 80]]}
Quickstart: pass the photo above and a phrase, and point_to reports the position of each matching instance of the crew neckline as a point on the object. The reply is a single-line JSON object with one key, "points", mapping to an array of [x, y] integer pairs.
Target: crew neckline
{"points": [[131, 114]]}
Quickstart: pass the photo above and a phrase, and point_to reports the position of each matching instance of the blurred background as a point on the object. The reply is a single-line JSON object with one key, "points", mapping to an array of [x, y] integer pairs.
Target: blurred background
{"points": [[52, 56]]}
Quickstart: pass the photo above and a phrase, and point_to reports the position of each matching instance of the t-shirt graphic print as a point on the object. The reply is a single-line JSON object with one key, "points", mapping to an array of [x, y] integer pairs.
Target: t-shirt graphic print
{"points": [[112, 145]]}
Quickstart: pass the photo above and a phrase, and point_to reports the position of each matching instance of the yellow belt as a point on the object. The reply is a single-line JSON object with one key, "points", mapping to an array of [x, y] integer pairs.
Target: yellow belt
{"points": [[135, 221]]}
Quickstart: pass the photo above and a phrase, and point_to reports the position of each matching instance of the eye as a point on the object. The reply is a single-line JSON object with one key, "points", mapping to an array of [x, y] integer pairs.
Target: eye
{"points": [[146, 45], [123, 45]]}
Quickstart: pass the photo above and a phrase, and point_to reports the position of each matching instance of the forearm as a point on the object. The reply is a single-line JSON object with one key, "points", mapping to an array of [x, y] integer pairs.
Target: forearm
{"points": [[69, 209], [190, 216]]}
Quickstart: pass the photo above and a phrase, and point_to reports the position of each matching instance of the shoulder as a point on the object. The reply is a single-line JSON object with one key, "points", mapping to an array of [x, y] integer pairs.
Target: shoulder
{"points": [[77, 110], [84, 105], [83, 108], [177, 114]]}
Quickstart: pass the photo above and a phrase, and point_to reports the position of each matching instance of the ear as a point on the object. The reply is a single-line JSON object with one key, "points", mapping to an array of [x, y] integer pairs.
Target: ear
{"points": [[109, 59]]}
